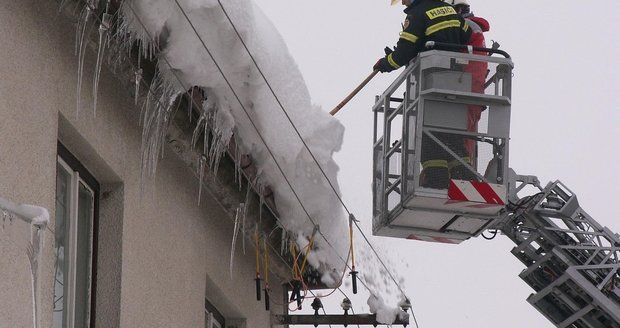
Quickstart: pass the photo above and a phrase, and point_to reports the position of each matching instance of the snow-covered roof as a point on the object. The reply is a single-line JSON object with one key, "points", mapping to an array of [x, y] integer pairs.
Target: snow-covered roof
{"points": [[197, 46]]}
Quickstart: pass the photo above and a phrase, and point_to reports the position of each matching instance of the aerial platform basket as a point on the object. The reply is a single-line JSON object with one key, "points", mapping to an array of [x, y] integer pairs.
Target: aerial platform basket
{"points": [[438, 176]]}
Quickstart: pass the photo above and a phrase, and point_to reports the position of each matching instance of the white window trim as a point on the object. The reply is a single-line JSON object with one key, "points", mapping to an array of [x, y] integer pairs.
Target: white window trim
{"points": [[72, 243]]}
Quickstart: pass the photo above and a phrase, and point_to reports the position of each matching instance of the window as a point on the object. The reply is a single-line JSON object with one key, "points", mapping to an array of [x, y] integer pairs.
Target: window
{"points": [[76, 200], [213, 317]]}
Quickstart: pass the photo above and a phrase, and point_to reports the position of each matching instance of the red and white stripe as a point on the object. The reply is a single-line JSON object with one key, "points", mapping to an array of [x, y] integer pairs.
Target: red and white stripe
{"points": [[478, 192], [435, 239]]}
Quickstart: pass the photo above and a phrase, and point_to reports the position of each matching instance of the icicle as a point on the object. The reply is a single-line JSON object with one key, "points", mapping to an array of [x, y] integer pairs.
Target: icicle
{"points": [[137, 79], [283, 242], [5, 216], [202, 127], [234, 239], [201, 173], [261, 202], [197, 131], [238, 174], [244, 214], [247, 198], [82, 31], [205, 141], [246, 207], [104, 27], [215, 154], [61, 6], [33, 250], [190, 105], [156, 118]]}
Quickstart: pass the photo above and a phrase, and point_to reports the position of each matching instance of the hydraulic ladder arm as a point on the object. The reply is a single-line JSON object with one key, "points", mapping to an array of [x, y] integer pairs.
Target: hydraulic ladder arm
{"points": [[572, 261]]}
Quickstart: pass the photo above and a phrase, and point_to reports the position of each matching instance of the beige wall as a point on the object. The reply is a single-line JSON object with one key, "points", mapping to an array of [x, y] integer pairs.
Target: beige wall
{"points": [[159, 252]]}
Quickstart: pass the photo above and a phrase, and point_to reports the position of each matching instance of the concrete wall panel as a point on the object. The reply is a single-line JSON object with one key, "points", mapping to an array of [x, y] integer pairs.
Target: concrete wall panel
{"points": [[169, 247]]}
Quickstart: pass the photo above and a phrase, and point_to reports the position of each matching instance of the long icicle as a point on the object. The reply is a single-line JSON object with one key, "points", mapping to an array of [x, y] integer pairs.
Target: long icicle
{"points": [[246, 206], [201, 173], [234, 239], [80, 48], [137, 80], [237, 162], [104, 27]]}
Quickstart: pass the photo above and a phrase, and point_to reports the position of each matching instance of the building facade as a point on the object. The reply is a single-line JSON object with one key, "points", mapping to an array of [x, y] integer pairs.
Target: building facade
{"points": [[120, 250]]}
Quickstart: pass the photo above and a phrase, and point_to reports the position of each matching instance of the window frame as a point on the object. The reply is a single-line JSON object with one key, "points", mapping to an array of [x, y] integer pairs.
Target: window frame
{"points": [[79, 175], [218, 318]]}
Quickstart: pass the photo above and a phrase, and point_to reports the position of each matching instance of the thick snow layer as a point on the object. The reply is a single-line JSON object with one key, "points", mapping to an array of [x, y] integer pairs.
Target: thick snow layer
{"points": [[187, 59], [184, 51], [34, 215]]}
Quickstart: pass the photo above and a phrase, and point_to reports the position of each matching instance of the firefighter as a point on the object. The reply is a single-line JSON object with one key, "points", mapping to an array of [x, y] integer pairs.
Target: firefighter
{"points": [[428, 20], [479, 71]]}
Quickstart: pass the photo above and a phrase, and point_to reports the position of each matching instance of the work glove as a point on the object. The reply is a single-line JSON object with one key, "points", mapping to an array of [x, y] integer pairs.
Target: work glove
{"points": [[383, 66]]}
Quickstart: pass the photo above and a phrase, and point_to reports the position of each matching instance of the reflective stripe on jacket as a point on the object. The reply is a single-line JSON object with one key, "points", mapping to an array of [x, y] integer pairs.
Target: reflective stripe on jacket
{"points": [[428, 20]]}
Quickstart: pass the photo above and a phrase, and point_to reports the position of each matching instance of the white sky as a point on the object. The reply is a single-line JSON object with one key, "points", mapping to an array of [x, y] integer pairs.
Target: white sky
{"points": [[564, 126]]}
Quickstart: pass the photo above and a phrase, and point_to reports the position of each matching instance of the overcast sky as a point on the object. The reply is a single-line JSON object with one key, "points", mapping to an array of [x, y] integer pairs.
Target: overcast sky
{"points": [[564, 126]]}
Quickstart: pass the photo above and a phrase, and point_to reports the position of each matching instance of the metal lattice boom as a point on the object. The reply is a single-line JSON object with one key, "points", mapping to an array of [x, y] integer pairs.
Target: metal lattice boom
{"points": [[572, 261]]}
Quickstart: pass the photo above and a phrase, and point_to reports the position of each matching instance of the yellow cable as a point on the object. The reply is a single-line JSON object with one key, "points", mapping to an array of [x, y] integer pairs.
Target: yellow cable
{"points": [[293, 252], [257, 252], [310, 244]]}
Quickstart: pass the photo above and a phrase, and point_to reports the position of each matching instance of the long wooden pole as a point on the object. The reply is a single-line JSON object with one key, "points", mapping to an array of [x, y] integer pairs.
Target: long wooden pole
{"points": [[352, 94]]}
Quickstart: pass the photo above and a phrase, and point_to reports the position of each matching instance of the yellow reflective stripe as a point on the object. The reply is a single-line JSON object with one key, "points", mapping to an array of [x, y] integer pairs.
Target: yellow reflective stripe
{"points": [[440, 12], [465, 27], [435, 163], [456, 163], [409, 37], [392, 62], [443, 25]]}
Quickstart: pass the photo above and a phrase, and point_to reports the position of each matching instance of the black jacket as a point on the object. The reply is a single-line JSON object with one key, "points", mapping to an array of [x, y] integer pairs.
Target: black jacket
{"points": [[427, 20]]}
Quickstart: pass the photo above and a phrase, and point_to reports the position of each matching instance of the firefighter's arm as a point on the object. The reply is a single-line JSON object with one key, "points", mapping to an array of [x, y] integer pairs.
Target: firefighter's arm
{"points": [[405, 49]]}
